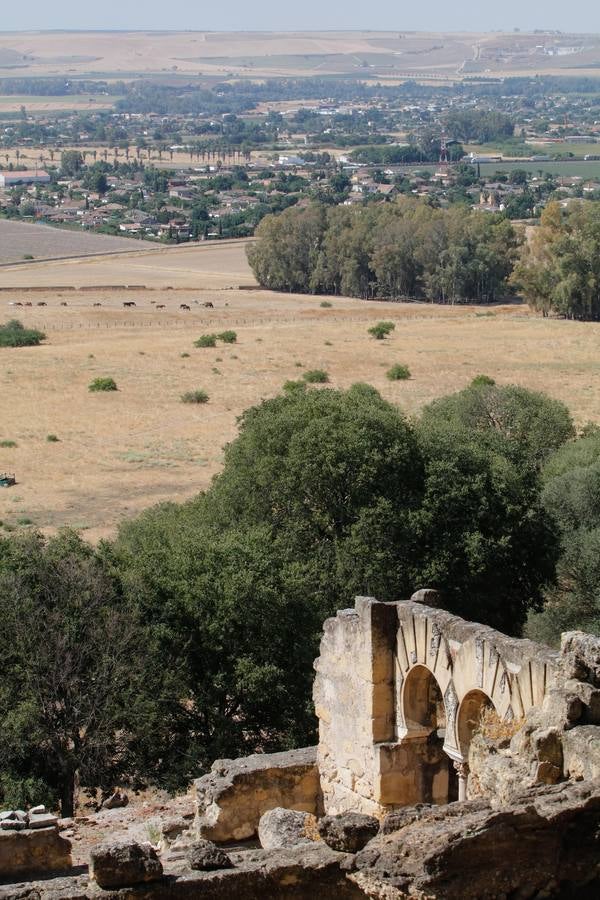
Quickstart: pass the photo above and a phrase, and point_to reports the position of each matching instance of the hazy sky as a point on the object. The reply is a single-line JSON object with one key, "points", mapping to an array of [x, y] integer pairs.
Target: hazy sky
{"points": [[477, 15]]}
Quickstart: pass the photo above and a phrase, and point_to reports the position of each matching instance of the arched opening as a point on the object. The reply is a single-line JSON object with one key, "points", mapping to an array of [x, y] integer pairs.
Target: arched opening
{"points": [[422, 702], [469, 718], [424, 715]]}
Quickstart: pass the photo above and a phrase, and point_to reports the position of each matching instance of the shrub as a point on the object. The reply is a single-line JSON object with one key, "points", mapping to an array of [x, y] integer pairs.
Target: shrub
{"points": [[398, 372], [13, 334], [52, 438], [8, 443], [316, 376], [27, 256], [291, 387], [184, 355], [483, 381], [326, 304], [381, 329], [103, 384], [198, 396], [206, 340], [228, 337]]}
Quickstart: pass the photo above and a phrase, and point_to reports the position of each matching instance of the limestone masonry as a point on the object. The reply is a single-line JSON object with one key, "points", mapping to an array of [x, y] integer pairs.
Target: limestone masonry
{"points": [[399, 691]]}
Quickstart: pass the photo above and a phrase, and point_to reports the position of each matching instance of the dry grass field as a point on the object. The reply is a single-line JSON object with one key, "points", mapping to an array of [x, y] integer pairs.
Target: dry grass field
{"points": [[120, 452], [364, 54]]}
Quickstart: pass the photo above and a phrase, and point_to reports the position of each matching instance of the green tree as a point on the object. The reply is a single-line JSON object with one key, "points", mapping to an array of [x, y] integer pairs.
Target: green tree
{"points": [[532, 424], [71, 163], [571, 496], [72, 691]]}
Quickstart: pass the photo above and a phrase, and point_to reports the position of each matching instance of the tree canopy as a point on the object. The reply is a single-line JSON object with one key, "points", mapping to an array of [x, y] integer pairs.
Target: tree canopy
{"points": [[559, 270], [401, 249]]}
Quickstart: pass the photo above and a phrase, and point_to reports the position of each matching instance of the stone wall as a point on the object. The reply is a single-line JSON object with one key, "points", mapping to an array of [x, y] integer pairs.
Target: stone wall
{"points": [[233, 796], [31, 845], [398, 693]]}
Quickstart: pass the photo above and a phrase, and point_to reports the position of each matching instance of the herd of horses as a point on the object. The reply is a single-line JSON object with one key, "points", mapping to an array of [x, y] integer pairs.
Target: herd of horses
{"points": [[126, 303]]}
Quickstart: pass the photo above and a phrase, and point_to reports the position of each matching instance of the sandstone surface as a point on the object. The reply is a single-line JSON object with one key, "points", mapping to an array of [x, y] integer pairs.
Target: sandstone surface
{"points": [[545, 844], [233, 796]]}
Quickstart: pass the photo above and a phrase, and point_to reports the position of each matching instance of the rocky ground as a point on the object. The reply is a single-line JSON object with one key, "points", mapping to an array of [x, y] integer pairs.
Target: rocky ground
{"points": [[141, 820]]}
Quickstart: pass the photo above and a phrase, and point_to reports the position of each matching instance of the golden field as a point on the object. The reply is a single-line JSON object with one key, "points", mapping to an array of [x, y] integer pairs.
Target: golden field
{"points": [[120, 452]]}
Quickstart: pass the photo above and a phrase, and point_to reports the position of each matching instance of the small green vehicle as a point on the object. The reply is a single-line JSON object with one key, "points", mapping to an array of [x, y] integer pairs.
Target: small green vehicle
{"points": [[7, 480]]}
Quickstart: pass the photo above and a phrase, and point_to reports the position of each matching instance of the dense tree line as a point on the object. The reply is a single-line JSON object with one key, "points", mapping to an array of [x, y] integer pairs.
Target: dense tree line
{"points": [[559, 272], [412, 152], [481, 125], [192, 634], [57, 87], [404, 249]]}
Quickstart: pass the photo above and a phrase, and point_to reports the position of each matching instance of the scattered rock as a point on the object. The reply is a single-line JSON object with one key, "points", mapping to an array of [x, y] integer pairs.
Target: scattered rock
{"points": [[124, 864], [205, 856], [42, 820], [348, 832], [116, 801], [281, 827]]}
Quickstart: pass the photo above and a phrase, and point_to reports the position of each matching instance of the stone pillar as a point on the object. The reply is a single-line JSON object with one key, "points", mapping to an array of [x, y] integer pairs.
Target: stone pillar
{"points": [[462, 769]]}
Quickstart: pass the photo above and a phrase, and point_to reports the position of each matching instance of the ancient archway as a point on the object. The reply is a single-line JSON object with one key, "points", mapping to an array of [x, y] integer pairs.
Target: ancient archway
{"points": [[424, 715], [469, 718], [399, 689]]}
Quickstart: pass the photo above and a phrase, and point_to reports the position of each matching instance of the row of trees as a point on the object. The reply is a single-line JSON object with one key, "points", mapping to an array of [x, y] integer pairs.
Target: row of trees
{"points": [[399, 250], [192, 635]]}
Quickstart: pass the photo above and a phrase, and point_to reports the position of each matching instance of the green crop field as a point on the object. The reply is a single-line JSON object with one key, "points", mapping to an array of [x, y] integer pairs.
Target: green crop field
{"points": [[566, 168]]}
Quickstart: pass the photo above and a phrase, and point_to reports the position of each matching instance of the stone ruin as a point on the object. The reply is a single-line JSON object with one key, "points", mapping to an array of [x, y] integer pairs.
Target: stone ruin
{"points": [[399, 692], [444, 747], [31, 844]]}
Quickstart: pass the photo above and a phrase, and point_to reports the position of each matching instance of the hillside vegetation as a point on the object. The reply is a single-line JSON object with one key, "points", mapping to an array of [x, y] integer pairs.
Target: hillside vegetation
{"points": [[192, 635]]}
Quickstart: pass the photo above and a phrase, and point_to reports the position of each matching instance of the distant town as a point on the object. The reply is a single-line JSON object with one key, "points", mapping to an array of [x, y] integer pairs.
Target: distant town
{"points": [[181, 164]]}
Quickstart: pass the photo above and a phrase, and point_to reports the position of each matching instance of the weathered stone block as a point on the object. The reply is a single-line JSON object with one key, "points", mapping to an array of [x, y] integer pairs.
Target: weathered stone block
{"points": [[348, 833], [282, 828], [231, 799], [123, 864], [204, 856], [28, 852]]}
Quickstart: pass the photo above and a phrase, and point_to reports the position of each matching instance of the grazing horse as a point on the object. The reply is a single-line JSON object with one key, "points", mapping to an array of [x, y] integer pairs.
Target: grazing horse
{"points": [[63, 303], [129, 303], [42, 303], [97, 304], [209, 305], [184, 306], [160, 306]]}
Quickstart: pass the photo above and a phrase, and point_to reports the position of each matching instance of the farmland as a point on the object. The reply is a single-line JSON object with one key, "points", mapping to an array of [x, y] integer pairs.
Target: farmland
{"points": [[19, 239], [117, 453], [373, 54]]}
